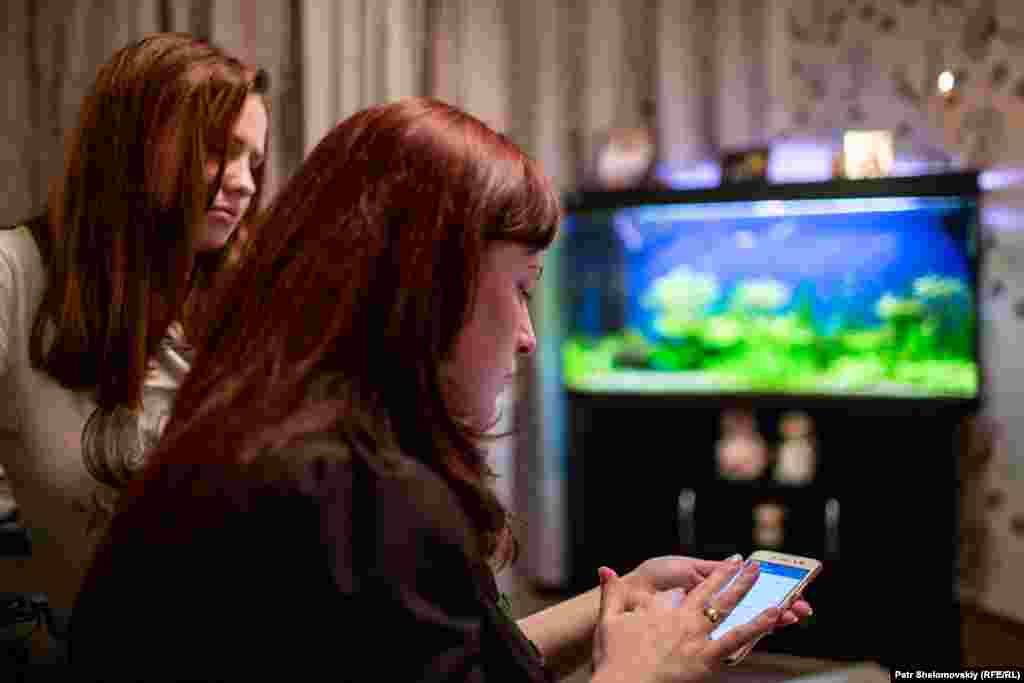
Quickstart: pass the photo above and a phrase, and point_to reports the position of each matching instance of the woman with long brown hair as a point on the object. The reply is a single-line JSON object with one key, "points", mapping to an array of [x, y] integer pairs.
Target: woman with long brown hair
{"points": [[321, 501], [101, 295]]}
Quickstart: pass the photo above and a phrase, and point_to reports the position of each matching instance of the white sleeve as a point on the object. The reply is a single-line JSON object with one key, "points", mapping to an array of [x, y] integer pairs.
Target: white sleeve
{"points": [[8, 306], [8, 317]]}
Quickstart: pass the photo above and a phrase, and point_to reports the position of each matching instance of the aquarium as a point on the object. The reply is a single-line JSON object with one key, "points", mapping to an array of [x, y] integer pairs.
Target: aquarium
{"points": [[848, 288]]}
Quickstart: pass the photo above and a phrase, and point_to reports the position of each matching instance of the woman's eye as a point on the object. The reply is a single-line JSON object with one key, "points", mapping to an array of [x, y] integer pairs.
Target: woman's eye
{"points": [[527, 294]]}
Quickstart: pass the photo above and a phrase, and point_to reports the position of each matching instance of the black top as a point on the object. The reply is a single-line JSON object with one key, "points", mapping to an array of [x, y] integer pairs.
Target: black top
{"points": [[311, 562]]}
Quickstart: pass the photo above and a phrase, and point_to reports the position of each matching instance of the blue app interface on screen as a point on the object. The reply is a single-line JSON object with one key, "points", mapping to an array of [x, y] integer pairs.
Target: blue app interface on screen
{"points": [[772, 586]]}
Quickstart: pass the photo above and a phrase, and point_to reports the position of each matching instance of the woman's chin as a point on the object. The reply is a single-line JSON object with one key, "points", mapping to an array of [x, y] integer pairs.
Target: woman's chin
{"points": [[492, 420], [479, 423], [215, 239]]}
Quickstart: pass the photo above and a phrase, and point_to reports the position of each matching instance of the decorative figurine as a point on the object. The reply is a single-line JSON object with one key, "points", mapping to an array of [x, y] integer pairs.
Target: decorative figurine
{"points": [[741, 451], [797, 456], [769, 525]]}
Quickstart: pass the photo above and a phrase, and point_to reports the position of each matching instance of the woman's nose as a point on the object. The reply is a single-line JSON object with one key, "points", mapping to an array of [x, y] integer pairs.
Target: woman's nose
{"points": [[238, 178], [527, 339]]}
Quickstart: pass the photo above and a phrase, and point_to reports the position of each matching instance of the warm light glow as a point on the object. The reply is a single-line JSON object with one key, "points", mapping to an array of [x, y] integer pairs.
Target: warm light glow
{"points": [[947, 81], [867, 153]]}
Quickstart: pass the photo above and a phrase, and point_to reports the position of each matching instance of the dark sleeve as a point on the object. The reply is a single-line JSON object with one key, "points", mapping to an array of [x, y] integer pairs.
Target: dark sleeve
{"points": [[398, 555], [309, 562]]}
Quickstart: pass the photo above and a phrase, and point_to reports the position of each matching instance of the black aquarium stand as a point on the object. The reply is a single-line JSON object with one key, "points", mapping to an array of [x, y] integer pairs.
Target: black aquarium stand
{"points": [[880, 511]]}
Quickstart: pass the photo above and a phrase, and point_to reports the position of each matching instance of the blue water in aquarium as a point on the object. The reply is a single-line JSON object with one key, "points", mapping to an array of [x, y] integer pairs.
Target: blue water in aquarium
{"points": [[838, 256], [807, 295], [844, 255]]}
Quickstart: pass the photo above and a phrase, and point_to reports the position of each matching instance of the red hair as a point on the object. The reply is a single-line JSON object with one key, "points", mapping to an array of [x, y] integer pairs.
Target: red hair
{"points": [[358, 281], [117, 237]]}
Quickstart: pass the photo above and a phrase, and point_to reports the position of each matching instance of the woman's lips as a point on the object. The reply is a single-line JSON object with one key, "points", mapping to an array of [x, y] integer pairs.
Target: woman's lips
{"points": [[222, 215]]}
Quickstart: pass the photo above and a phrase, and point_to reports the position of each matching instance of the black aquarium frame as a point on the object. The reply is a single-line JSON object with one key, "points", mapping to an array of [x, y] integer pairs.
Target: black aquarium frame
{"points": [[960, 184]]}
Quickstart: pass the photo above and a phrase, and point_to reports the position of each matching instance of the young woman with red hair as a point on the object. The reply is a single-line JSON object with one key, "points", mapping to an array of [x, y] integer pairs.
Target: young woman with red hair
{"points": [[320, 501], [101, 295]]}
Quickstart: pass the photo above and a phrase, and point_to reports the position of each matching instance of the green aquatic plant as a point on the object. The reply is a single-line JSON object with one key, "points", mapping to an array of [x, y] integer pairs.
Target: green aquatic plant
{"points": [[936, 287], [634, 351], [923, 345], [902, 317], [761, 295], [723, 332], [680, 298], [790, 330], [682, 290], [678, 325], [859, 342], [854, 374], [893, 308], [949, 315], [584, 356], [941, 376]]}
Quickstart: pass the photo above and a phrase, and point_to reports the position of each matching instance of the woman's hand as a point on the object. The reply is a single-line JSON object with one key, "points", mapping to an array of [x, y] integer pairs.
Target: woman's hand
{"points": [[664, 637], [673, 572], [670, 572]]}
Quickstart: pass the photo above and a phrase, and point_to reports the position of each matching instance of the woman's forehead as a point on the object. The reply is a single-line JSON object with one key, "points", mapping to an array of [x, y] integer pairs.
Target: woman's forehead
{"points": [[513, 254]]}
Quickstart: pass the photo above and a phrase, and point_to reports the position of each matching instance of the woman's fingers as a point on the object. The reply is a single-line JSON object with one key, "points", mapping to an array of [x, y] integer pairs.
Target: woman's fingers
{"points": [[705, 568], [619, 596], [801, 608], [680, 622], [724, 589], [613, 593], [797, 612], [721, 576], [738, 636]]}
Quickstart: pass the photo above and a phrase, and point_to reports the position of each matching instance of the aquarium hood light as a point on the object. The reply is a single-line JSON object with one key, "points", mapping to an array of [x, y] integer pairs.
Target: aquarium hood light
{"points": [[810, 162], [904, 166], [788, 162], [701, 175], [794, 161], [788, 207]]}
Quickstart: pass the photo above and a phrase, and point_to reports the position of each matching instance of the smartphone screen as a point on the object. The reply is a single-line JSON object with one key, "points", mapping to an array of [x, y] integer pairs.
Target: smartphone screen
{"points": [[774, 583]]}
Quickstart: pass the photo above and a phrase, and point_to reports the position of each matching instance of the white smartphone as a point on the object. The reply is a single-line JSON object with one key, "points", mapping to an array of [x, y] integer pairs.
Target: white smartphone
{"points": [[783, 577]]}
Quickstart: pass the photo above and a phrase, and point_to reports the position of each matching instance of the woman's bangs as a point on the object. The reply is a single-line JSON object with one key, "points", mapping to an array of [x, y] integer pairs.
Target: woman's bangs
{"points": [[537, 212]]}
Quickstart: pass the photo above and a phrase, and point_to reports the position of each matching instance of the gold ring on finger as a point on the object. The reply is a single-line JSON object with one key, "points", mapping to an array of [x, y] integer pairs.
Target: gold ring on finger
{"points": [[713, 615]]}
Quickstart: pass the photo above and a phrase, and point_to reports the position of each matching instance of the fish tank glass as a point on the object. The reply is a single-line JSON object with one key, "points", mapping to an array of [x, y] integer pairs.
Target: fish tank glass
{"points": [[845, 288]]}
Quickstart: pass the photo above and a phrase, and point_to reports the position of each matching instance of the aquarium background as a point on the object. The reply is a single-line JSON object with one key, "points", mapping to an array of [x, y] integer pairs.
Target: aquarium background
{"points": [[864, 296]]}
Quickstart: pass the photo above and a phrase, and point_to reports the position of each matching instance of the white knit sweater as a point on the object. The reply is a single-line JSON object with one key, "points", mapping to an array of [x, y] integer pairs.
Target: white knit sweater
{"points": [[42, 436]]}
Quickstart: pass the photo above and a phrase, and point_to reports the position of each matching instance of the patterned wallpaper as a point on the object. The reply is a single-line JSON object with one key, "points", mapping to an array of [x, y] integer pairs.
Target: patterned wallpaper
{"points": [[875, 63]]}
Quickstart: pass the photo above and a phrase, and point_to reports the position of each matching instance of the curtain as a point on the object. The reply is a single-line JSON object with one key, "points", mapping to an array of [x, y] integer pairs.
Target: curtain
{"points": [[355, 53], [52, 50]]}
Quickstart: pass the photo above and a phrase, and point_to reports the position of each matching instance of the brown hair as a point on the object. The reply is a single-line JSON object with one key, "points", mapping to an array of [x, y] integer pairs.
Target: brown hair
{"points": [[117, 237], [361, 276]]}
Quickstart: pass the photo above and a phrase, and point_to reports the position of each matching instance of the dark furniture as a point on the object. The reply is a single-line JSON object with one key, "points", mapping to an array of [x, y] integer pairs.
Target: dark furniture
{"points": [[886, 478]]}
